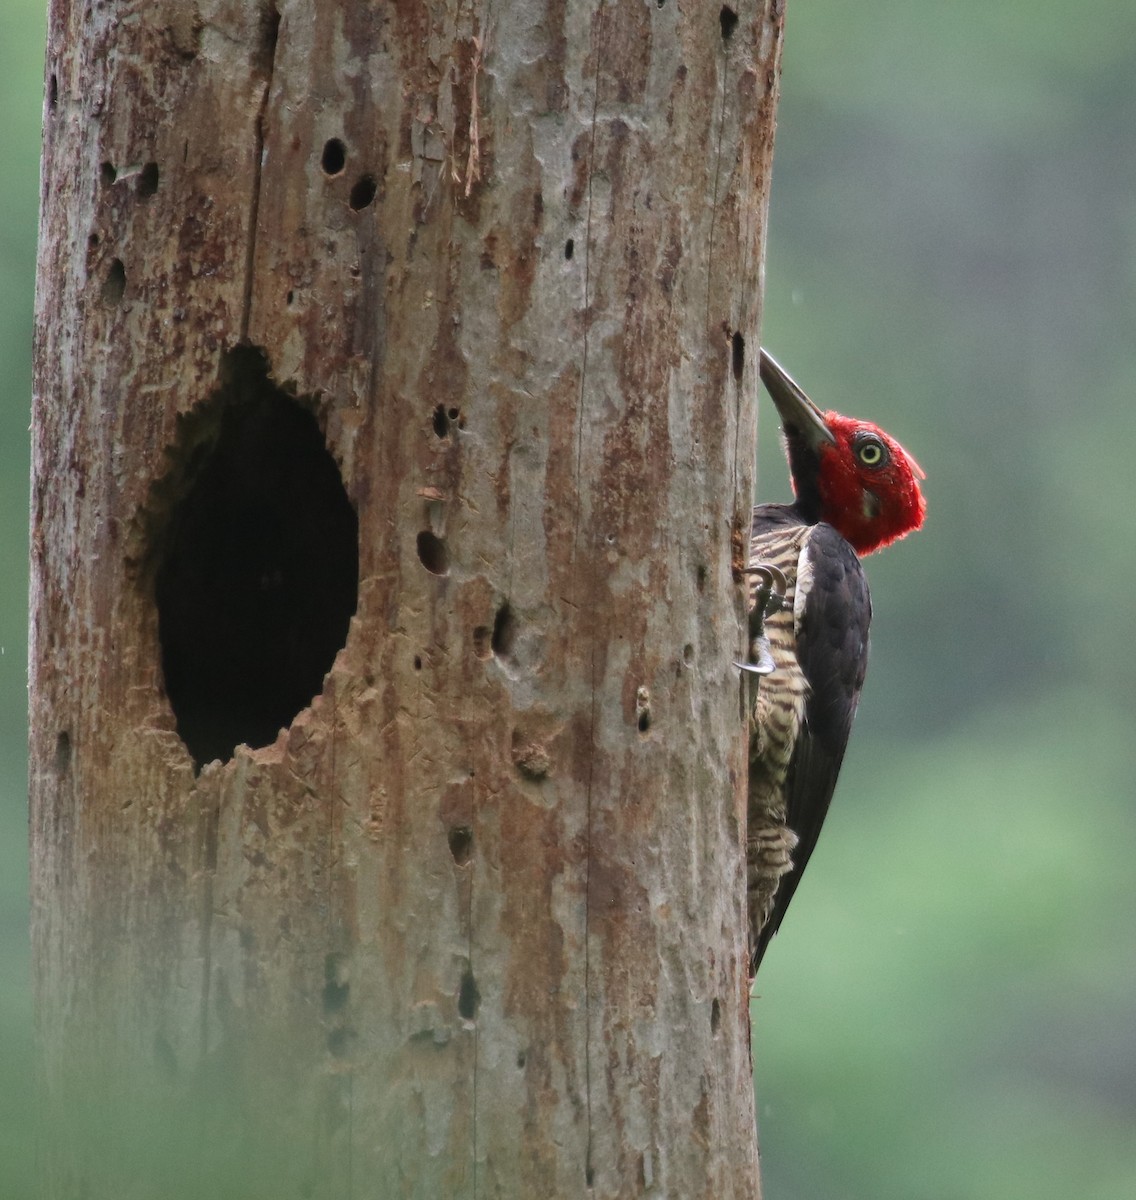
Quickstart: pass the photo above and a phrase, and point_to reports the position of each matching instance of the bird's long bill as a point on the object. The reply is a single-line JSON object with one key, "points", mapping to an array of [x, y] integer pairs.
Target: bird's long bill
{"points": [[796, 409]]}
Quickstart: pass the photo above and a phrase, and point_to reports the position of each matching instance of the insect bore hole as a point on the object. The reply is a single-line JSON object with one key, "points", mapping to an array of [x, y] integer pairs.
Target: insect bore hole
{"points": [[334, 157]]}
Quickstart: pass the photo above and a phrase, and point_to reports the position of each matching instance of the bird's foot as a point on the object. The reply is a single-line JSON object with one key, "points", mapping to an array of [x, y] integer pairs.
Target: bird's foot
{"points": [[769, 595], [768, 598]]}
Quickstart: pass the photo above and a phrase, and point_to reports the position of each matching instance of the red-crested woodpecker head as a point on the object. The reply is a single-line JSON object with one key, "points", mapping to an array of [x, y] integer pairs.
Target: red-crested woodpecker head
{"points": [[847, 473]]}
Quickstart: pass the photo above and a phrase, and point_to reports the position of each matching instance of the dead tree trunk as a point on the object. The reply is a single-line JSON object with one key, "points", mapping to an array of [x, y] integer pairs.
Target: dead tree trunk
{"points": [[395, 379]]}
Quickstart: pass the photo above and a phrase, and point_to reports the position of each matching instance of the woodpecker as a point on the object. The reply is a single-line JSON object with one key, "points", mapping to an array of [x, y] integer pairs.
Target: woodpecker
{"points": [[856, 491]]}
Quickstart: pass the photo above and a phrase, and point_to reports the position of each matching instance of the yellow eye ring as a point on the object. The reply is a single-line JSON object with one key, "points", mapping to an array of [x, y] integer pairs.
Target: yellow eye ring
{"points": [[872, 452]]}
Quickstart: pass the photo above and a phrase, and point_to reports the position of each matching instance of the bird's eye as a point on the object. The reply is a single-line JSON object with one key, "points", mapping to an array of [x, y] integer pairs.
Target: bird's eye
{"points": [[870, 451]]}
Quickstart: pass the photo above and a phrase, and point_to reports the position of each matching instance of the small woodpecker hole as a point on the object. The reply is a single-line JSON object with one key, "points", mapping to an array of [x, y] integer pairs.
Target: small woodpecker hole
{"points": [[504, 632], [363, 193], [114, 285], [62, 752], [468, 996], [728, 20], [643, 709], [441, 421], [52, 93], [433, 553], [737, 356], [569, 248], [334, 157], [254, 546], [107, 174], [148, 180], [715, 1015], [461, 844]]}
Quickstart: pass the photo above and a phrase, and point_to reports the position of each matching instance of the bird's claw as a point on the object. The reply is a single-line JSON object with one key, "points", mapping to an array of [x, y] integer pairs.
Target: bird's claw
{"points": [[768, 598], [761, 659]]}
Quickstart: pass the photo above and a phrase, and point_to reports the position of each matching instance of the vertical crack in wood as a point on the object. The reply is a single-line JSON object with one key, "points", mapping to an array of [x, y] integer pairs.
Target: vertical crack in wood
{"points": [[588, 602], [268, 33]]}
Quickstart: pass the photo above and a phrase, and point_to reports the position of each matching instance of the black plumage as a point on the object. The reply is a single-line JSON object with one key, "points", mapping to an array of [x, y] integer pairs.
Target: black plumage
{"points": [[804, 712]]}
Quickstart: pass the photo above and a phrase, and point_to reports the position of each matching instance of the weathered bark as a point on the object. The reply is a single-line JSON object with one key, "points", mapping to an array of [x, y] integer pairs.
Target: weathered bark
{"points": [[473, 923]]}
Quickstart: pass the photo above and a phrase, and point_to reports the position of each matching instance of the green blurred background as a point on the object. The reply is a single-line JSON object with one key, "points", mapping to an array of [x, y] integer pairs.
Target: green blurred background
{"points": [[949, 1011], [950, 1008]]}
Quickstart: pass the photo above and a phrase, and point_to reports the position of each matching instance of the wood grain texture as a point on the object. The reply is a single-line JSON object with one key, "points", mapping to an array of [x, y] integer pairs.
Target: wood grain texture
{"points": [[473, 924]]}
